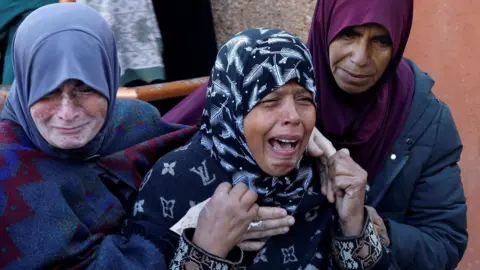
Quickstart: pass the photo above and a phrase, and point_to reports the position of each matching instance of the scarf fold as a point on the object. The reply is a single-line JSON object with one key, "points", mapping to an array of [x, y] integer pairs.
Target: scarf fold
{"points": [[367, 124]]}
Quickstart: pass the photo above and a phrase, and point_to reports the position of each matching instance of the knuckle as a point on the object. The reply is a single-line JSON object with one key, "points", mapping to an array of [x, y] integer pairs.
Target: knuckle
{"points": [[225, 185], [240, 185], [255, 209], [252, 194]]}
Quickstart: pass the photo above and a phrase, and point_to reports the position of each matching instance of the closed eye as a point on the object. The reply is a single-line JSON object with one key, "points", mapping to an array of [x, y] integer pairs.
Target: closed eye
{"points": [[306, 100], [269, 102]]}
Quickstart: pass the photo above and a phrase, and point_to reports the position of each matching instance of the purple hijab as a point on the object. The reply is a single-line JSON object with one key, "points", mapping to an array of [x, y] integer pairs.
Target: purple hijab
{"points": [[367, 124]]}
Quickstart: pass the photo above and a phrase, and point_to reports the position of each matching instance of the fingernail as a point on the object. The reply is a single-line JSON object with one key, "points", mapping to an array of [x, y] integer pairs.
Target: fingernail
{"points": [[286, 229], [291, 221]]}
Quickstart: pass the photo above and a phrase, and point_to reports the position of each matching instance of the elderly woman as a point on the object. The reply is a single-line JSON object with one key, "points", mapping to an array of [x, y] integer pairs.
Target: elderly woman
{"points": [[381, 107], [61, 196], [257, 123]]}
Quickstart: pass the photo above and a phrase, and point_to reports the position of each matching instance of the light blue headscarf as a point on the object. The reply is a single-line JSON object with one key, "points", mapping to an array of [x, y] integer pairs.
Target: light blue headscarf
{"points": [[55, 43]]}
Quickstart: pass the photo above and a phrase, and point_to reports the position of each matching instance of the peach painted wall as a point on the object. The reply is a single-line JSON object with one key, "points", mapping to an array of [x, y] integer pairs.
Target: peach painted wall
{"points": [[445, 42]]}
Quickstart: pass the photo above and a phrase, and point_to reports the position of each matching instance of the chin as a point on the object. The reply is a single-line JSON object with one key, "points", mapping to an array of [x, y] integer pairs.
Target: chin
{"points": [[69, 145], [349, 89], [279, 170]]}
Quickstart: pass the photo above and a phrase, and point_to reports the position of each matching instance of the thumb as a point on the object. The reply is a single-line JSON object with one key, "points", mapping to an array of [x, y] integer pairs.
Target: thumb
{"points": [[313, 149], [345, 151]]}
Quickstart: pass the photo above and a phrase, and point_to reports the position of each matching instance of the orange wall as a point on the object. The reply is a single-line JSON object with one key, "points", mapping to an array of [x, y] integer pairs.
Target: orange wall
{"points": [[445, 42]]}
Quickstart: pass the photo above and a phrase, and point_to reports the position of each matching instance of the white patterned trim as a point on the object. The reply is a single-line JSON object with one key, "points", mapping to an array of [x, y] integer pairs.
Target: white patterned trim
{"points": [[363, 252]]}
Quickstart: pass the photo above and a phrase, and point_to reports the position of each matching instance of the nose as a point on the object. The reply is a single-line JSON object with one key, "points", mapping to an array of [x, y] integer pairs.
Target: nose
{"points": [[68, 110], [360, 54], [290, 112]]}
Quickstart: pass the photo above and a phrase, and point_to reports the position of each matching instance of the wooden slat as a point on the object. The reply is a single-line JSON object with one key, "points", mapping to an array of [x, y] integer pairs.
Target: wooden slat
{"points": [[163, 90], [152, 92]]}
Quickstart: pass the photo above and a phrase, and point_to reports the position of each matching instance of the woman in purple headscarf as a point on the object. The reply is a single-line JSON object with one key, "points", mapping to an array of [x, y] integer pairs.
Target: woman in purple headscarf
{"points": [[381, 107]]}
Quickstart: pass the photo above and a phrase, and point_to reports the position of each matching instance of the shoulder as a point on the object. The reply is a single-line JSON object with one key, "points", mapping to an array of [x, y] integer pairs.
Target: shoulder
{"points": [[135, 121], [134, 111], [430, 120], [183, 158], [12, 134], [438, 109], [447, 141], [189, 166], [423, 80]]}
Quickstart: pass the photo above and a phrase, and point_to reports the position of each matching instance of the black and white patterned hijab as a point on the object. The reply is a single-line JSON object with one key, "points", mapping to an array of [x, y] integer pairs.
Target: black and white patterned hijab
{"points": [[251, 65]]}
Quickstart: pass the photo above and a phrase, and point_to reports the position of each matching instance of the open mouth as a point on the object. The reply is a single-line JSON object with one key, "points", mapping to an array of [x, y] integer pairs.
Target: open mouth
{"points": [[283, 145]]}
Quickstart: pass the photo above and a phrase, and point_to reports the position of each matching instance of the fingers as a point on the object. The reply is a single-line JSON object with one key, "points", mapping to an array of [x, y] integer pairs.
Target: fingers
{"points": [[249, 197], [318, 145], [253, 212], [340, 158], [265, 213], [253, 234], [223, 189], [330, 192], [341, 183], [376, 219], [345, 151], [252, 245], [238, 190], [313, 149], [321, 165], [342, 164], [324, 186], [274, 224], [323, 143]]}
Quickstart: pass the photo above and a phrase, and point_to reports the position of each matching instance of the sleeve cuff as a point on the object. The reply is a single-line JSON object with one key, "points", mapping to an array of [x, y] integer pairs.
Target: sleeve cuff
{"points": [[189, 256], [358, 252]]}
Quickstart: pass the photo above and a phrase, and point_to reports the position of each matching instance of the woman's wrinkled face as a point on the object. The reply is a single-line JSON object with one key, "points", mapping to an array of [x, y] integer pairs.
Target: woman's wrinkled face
{"points": [[71, 116], [278, 128], [359, 56]]}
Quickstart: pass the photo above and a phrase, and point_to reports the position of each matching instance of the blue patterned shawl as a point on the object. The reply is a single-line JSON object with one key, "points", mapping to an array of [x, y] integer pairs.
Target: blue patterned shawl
{"points": [[218, 153], [251, 65]]}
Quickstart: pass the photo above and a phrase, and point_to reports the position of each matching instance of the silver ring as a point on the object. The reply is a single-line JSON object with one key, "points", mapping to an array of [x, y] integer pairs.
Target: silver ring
{"points": [[254, 225]]}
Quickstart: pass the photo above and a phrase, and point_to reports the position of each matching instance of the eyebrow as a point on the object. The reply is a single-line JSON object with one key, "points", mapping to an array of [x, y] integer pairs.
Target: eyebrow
{"points": [[353, 30]]}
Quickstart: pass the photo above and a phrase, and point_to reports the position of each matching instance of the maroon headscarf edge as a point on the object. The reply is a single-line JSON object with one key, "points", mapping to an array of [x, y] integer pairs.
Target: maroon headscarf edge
{"points": [[371, 126]]}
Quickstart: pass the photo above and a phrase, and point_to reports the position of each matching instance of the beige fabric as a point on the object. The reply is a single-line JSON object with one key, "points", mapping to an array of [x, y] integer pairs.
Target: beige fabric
{"points": [[190, 219]]}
